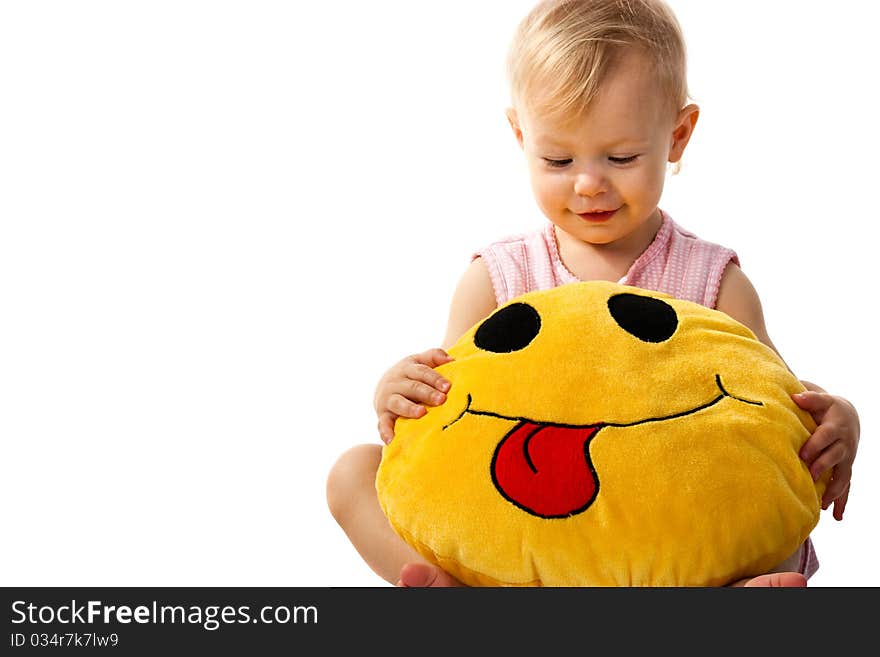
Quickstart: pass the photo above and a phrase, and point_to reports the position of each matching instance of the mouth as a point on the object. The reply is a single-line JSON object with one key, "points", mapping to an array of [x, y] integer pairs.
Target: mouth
{"points": [[598, 216], [545, 469]]}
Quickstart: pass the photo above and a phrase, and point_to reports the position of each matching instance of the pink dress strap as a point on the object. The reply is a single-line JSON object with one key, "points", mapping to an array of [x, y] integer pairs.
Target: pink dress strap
{"points": [[676, 262], [679, 263], [524, 263]]}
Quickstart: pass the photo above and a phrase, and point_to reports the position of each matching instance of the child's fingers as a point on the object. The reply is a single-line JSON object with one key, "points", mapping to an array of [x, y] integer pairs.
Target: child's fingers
{"points": [[840, 503], [417, 392], [403, 407], [432, 357], [822, 438], [832, 492], [386, 427], [827, 460], [815, 403], [838, 485], [425, 374]]}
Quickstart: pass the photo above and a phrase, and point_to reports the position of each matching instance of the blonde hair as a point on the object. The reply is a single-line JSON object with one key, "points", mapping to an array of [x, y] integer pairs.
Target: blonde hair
{"points": [[564, 49]]}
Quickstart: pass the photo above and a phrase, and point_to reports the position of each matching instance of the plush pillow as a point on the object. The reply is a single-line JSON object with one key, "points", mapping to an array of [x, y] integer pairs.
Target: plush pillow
{"points": [[603, 435]]}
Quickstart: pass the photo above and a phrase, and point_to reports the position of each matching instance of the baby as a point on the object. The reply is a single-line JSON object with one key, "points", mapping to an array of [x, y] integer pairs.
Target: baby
{"points": [[599, 109]]}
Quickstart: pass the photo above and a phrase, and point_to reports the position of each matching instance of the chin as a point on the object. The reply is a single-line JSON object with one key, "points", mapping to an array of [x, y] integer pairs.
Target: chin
{"points": [[598, 234], [599, 241]]}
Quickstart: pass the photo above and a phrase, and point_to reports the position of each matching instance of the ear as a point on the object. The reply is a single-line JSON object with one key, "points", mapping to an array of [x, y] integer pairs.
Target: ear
{"points": [[684, 128], [513, 120]]}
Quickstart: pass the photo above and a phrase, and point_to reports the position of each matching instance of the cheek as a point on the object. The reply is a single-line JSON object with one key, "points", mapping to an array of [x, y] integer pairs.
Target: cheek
{"points": [[549, 190], [645, 184]]}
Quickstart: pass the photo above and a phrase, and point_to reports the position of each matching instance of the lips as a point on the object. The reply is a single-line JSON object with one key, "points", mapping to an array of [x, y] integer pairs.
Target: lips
{"points": [[598, 216], [546, 469]]}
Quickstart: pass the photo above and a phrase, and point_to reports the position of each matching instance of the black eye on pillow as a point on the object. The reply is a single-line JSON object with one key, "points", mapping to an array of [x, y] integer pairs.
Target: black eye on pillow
{"points": [[510, 329], [648, 319]]}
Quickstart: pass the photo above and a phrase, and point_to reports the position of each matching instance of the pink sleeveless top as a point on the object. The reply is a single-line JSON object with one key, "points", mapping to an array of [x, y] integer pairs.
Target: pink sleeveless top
{"points": [[677, 262]]}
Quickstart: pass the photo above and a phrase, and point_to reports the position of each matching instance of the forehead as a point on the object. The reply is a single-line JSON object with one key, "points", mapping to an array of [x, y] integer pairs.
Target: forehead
{"points": [[629, 106]]}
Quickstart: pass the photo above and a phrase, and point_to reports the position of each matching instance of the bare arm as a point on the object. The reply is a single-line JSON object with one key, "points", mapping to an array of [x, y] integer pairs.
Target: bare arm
{"points": [[738, 298], [473, 300]]}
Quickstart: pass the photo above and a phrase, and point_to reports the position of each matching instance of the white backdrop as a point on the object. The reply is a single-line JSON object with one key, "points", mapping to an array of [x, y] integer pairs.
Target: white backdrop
{"points": [[221, 221]]}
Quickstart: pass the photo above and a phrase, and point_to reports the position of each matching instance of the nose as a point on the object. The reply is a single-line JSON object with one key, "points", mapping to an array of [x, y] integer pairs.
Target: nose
{"points": [[589, 183]]}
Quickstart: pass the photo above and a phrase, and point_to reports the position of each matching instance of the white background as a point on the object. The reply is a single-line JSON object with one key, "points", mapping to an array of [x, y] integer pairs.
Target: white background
{"points": [[222, 221]]}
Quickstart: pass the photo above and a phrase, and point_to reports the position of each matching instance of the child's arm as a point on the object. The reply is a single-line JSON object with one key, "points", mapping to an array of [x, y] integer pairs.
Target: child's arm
{"points": [[834, 443], [412, 383]]}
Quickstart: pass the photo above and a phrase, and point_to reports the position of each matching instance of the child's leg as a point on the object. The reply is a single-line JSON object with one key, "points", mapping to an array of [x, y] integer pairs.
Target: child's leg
{"points": [[351, 496]]}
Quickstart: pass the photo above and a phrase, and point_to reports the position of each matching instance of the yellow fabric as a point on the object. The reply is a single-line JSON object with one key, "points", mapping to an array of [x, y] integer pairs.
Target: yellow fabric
{"points": [[691, 444]]}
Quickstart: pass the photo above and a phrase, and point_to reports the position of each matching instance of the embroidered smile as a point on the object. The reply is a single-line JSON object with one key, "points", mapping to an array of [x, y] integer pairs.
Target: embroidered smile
{"points": [[724, 393], [545, 469]]}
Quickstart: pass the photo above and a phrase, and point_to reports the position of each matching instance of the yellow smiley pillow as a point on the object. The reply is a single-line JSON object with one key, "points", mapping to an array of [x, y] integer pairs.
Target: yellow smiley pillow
{"points": [[603, 435]]}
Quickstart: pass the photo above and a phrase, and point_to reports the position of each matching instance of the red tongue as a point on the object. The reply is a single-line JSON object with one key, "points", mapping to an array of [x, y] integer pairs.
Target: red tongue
{"points": [[546, 470]]}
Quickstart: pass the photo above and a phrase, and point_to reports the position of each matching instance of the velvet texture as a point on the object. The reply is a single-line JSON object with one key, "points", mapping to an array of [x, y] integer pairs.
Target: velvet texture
{"points": [[603, 435]]}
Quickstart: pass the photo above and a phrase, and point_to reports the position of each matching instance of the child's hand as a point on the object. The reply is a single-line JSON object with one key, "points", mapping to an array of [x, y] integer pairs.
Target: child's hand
{"points": [[832, 445], [406, 386]]}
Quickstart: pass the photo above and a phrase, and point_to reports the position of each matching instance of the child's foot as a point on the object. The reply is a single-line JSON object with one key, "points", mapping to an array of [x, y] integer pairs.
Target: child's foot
{"points": [[779, 579], [417, 575], [775, 580]]}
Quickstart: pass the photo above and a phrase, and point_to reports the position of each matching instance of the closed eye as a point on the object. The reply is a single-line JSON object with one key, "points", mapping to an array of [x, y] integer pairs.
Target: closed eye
{"points": [[623, 160], [557, 164]]}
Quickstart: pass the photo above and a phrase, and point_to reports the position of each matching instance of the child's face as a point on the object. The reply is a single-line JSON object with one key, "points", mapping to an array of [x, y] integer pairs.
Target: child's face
{"points": [[613, 158]]}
